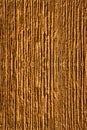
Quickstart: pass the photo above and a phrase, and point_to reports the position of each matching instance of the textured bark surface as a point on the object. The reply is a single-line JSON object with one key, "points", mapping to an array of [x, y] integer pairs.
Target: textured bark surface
{"points": [[43, 64]]}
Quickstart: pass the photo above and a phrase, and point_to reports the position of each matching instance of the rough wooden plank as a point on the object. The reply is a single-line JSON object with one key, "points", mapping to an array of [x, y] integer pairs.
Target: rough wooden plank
{"points": [[43, 64]]}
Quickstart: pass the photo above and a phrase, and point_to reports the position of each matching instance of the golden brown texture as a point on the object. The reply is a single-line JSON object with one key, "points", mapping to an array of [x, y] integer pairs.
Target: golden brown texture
{"points": [[43, 64]]}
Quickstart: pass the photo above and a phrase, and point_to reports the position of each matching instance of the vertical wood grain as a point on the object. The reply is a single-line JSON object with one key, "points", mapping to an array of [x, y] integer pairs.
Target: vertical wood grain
{"points": [[43, 65]]}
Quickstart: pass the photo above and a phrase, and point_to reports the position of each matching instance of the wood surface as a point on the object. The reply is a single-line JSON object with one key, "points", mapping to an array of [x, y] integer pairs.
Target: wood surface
{"points": [[43, 64]]}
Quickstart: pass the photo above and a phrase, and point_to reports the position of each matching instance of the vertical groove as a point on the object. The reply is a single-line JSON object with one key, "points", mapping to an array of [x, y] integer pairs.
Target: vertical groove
{"points": [[43, 64]]}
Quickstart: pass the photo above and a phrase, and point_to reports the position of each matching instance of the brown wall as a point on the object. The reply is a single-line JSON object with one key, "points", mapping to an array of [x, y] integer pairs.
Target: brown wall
{"points": [[43, 65]]}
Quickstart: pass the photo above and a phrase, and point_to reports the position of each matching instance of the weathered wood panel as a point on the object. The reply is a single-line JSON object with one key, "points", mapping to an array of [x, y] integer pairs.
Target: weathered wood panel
{"points": [[43, 64]]}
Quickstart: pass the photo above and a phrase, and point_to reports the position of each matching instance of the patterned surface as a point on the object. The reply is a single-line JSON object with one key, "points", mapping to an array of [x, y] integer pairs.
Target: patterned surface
{"points": [[43, 65]]}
